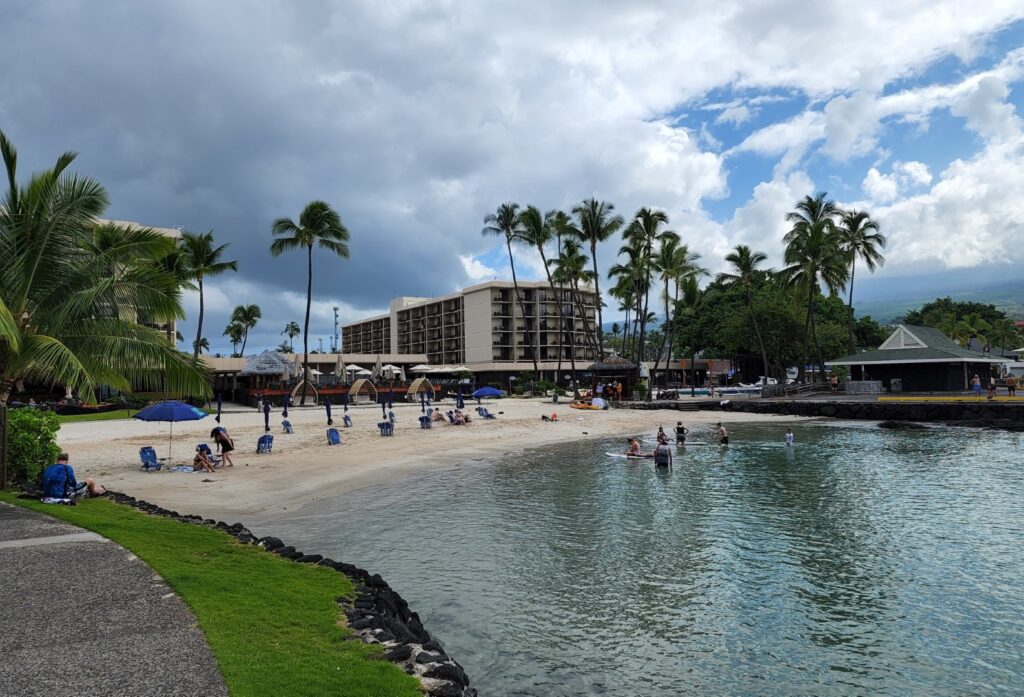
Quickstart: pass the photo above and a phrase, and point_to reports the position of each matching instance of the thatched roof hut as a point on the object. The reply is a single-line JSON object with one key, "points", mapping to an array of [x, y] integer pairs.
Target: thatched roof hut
{"points": [[615, 369]]}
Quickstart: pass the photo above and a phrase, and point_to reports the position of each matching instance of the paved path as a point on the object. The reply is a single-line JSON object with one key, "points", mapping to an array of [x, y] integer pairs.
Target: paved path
{"points": [[80, 615]]}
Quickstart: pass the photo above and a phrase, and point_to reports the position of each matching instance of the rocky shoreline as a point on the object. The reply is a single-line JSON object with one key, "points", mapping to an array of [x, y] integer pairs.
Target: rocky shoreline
{"points": [[377, 614], [980, 414]]}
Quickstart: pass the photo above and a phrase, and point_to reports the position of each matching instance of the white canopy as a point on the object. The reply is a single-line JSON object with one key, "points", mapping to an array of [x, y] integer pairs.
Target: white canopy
{"points": [[421, 368], [390, 369], [353, 368], [461, 369]]}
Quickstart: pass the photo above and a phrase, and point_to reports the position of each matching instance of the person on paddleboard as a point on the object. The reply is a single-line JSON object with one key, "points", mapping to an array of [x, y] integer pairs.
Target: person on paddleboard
{"points": [[634, 448]]}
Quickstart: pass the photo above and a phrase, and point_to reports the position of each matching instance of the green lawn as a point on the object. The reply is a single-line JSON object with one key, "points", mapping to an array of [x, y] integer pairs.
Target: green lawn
{"points": [[273, 624], [102, 416]]}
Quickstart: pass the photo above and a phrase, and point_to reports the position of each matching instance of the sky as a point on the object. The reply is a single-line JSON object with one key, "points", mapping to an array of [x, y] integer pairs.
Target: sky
{"points": [[415, 119]]}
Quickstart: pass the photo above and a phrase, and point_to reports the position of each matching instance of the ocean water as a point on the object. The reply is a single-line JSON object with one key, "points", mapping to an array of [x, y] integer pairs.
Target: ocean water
{"points": [[859, 562]]}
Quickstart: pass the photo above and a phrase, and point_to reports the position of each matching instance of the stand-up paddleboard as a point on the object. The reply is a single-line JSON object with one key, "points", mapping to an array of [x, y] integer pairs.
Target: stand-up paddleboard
{"points": [[631, 457]]}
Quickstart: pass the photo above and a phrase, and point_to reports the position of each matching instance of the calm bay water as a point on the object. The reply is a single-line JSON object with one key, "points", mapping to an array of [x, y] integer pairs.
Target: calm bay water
{"points": [[861, 561]]}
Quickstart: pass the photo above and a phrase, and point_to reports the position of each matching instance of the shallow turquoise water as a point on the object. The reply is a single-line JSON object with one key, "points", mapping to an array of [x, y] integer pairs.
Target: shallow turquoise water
{"points": [[861, 561]]}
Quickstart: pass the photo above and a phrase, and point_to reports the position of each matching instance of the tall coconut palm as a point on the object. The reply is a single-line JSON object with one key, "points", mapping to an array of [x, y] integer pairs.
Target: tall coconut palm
{"points": [[1003, 334], [203, 259], [745, 263], [973, 326], [597, 222], [674, 262], [234, 332], [570, 269], [689, 306], [202, 345], [318, 225], [561, 227], [292, 330], [505, 222], [815, 257], [538, 231], [860, 238], [246, 316], [624, 292], [644, 230], [70, 309]]}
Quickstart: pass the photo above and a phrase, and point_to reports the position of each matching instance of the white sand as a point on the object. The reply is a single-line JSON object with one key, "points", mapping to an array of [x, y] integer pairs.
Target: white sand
{"points": [[303, 468]]}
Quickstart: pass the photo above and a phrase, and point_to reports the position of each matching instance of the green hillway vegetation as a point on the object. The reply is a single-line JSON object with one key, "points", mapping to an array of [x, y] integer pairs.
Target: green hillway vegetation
{"points": [[273, 625]]}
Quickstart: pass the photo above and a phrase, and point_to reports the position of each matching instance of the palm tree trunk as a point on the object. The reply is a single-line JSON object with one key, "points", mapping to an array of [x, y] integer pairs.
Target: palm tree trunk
{"points": [[625, 334], [522, 310], [305, 326], [760, 341], [817, 346], [6, 386], [561, 319], [199, 329], [853, 338], [245, 338], [807, 335], [661, 349], [576, 296], [597, 292]]}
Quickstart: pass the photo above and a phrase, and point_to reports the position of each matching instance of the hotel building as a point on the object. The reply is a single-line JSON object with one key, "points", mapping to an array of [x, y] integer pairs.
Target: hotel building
{"points": [[482, 327]]}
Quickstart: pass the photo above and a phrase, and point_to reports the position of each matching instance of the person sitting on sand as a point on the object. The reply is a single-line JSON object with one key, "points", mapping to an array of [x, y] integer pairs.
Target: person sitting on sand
{"points": [[201, 462], [634, 447], [464, 415], [723, 435], [438, 415], [226, 443], [59, 482]]}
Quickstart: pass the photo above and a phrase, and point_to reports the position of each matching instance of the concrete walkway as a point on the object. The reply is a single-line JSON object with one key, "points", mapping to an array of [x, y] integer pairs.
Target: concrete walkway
{"points": [[80, 615]]}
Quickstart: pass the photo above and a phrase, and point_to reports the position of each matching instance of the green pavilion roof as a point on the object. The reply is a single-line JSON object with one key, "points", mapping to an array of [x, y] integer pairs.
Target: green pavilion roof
{"points": [[913, 344]]}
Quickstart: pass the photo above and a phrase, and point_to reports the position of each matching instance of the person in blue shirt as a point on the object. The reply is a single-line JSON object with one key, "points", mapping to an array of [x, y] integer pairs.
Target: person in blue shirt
{"points": [[59, 482]]}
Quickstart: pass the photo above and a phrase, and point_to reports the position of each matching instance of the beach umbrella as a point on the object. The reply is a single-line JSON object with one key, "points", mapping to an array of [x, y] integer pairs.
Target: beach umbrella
{"points": [[423, 402], [327, 406], [266, 416], [285, 401], [171, 410], [384, 407], [458, 397], [344, 400], [220, 403], [421, 368], [488, 391], [391, 398]]}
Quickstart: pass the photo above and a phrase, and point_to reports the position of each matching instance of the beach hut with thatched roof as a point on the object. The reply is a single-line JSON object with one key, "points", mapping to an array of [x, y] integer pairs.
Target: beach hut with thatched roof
{"points": [[615, 369]]}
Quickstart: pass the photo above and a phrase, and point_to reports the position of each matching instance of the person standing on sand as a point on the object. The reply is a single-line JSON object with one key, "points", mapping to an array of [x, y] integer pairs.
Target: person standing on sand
{"points": [[723, 435], [976, 385], [226, 443]]}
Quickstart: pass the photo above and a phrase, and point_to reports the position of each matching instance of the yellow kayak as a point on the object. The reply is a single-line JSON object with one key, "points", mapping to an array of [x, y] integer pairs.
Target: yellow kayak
{"points": [[584, 405]]}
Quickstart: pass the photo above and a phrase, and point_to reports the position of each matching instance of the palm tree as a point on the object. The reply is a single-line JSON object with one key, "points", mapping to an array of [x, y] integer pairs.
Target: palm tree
{"points": [[70, 304], [505, 222], [234, 332], [291, 330], [745, 266], [596, 222], [674, 262], [203, 259], [202, 345], [247, 316], [973, 326], [815, 256], [561, 227], [570, 269], [642, 233], [616, 328], [1004, 334], [689, 305], [859, 237], [537, 231], [319, 224], [285, 347], [624, 292]]}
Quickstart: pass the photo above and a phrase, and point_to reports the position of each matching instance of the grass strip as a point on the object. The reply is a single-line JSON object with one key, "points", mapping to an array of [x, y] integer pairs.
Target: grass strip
{"points": [[99, 416], [273, 625]]}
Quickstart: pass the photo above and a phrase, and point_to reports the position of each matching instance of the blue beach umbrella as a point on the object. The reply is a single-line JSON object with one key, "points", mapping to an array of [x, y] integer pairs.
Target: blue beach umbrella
{"points": [[220, 403], [285, 401], [344, 400], [488, 391], [423, 402], [384, 407], [391, 398], [171, 411], [459, 403], [327, 406], [266, 416]]}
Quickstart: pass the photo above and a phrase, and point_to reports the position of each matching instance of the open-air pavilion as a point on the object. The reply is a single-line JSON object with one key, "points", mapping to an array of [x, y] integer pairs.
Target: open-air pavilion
{"points": [[921, 359], [362, 392]]}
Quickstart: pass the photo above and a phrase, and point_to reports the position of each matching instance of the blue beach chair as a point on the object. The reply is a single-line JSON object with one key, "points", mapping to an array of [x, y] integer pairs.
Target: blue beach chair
{"points": [[386, 428], [264, 444], [485, 413], [425, 422], [391, 417], [347, 420], [150, 463], [287, 426], [333, 437]]}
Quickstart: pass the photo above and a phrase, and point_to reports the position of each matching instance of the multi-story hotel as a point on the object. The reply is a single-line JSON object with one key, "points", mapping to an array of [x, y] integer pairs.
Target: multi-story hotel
{"points": [[482, 327]]}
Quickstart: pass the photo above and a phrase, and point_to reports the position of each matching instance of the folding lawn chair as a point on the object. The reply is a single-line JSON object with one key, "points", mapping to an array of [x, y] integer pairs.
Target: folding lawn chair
{"points": [[333, 437], [150, 463], [391, 417], [425, 422], [287, 426], [347, 420], [486, 414], [386, 428], [264, 444]]}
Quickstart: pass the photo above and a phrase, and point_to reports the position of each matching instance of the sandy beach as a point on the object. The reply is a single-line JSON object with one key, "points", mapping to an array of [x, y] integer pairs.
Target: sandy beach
{"points": [[303, 468]]}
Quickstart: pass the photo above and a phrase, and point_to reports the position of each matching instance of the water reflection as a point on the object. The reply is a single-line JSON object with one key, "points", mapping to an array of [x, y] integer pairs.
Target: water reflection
{"points": [[860, 561]]}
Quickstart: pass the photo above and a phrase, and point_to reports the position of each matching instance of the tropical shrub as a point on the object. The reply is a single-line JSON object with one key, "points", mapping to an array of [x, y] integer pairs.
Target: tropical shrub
{"points": [[31, 442]]}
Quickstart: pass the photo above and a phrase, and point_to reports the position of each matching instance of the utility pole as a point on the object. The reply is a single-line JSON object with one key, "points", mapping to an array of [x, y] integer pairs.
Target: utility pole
{"points": [[335, 346], [320, 339]]}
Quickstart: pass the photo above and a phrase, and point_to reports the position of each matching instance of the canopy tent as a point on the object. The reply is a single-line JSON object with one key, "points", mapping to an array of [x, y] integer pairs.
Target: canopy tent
{"points": [[362, 391], [266, 363], [421, 386]]}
